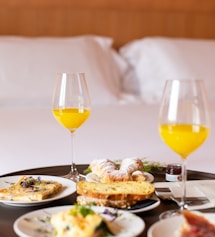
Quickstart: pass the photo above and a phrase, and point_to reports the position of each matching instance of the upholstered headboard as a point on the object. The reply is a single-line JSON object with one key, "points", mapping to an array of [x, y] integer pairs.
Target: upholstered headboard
{"points": [[124, 20]]}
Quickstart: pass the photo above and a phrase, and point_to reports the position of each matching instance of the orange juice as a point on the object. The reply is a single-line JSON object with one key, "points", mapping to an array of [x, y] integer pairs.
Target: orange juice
{"points": [[71, 118], [183, 138]]}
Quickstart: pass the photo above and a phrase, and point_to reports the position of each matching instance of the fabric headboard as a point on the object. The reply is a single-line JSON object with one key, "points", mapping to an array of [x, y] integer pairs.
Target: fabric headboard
{"points": [[122, 20]]}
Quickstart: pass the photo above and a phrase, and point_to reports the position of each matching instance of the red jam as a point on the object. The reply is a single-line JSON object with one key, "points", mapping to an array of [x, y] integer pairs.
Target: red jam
{"points": [[173, 172]]}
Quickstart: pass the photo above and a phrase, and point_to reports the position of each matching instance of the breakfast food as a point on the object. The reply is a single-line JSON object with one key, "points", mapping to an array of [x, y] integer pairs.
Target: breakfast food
{"points": [[84, 200], [119, 185], [108, 171], [129, 190], [79, 221], [122, 194], [196, 225], [30, 189]]}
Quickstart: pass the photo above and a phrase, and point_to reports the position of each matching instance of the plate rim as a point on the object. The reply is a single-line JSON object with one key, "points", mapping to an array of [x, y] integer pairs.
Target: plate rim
{"points": [[70, 189], [148, 208], [178, 221], [64, 207]]}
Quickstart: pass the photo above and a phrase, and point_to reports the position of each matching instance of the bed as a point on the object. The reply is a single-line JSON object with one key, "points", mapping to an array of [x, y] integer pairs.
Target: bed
{"points": [[126, 63]]}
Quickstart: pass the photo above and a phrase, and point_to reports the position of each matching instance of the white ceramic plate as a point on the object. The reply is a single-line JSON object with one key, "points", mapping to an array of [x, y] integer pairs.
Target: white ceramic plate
{"points": [[69, 187], [171, 227], [91, 177], [31, 224]]}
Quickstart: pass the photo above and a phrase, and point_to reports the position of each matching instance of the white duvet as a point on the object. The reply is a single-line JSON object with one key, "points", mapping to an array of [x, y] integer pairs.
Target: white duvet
{"points": [[29, 135], [32, 138]]}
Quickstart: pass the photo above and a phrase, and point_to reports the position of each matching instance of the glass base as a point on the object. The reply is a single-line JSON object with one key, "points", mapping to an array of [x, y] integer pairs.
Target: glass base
{"points": [[76, 177], [170, 213]]}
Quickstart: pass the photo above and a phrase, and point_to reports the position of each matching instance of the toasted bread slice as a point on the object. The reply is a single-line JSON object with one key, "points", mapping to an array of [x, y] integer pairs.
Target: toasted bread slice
{"points": [[84, 200], [30, 189], [130, 190]]}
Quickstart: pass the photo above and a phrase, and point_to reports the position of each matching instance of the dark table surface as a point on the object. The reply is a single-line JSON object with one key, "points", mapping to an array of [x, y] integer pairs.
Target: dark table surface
{"points": [[8, 214]]}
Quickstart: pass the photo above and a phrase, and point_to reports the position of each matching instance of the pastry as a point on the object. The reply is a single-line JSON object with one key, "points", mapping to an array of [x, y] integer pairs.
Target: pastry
{"points": [[107, 171]]}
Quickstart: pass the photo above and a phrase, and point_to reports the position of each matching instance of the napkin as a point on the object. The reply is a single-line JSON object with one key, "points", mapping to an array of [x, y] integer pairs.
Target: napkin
{"points": [[194, 188]]}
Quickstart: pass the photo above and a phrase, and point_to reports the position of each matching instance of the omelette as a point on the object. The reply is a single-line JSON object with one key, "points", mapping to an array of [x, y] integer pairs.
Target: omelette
{"points": [[29, 189]]}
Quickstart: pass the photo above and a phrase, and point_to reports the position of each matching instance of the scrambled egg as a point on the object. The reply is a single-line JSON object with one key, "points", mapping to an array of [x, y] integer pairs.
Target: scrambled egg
{"points": [[79, 221]]}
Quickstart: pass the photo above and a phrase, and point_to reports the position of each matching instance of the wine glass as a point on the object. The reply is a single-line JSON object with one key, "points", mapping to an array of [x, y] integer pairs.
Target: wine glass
{"points": [[184, 124], [71, 107]]}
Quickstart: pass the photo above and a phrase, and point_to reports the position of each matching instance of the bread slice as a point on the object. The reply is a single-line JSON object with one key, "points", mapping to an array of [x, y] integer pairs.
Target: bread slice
{"points": [[130, 190], [30, 189], [84, 200]]}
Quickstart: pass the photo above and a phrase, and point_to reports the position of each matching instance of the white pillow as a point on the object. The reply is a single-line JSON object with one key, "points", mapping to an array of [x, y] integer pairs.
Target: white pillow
{"points": [[155, 59], [28, 67]]}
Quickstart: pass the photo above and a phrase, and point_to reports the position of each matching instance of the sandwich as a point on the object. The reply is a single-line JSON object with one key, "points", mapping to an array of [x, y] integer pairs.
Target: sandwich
{"points": [[123, 194]]}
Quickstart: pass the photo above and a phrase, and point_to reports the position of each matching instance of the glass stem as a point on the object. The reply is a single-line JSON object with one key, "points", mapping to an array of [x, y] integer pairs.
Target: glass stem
{"points": [[74, 170], [184, 178]]}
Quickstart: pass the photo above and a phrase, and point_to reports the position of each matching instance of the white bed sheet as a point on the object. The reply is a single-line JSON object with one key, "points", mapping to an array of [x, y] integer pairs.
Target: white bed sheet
{"points": [[31, 138]]}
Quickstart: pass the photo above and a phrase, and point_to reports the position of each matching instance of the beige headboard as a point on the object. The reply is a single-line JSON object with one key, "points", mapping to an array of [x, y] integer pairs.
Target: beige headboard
{"points": [[124, 20]]}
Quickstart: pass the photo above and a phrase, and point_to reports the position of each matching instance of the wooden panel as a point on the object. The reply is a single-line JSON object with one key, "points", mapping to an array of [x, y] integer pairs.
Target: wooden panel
{"points": [[161, 5], [124, 20]]}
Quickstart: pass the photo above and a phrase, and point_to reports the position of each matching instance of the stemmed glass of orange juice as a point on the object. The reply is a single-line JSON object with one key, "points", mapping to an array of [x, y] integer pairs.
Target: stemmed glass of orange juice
{"points": [[184, 123], [71, 107]]}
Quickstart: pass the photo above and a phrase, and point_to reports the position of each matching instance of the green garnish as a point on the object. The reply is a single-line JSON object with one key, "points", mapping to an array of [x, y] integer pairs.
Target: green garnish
{"points": [[86, 211], [103, 231], [87, 170], [83, 210], [150, 166]]}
